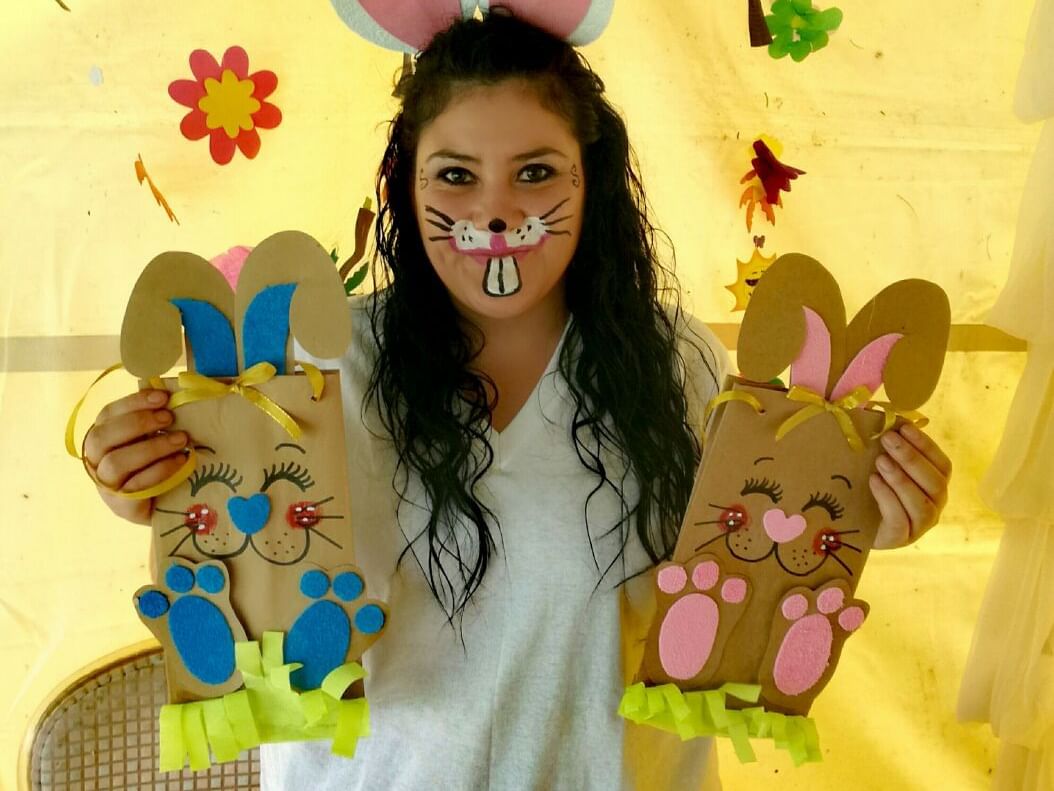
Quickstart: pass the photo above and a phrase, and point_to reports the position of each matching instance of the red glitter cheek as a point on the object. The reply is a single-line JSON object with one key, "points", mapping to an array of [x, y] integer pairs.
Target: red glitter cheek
{"points": [[826, 542], [201, 518], [734, 518], [303, 514]]}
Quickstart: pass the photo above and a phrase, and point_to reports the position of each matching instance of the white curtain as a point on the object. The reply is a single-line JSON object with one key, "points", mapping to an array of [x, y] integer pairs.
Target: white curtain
{"points": [[1009, 677]]}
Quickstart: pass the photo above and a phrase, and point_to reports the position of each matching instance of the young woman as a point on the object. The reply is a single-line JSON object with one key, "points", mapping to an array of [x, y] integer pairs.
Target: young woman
{"points": [[524, 405]]}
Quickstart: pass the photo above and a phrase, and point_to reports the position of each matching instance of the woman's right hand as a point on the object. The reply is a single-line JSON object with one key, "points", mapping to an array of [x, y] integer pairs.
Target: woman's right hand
{"points": [[129, 450]]}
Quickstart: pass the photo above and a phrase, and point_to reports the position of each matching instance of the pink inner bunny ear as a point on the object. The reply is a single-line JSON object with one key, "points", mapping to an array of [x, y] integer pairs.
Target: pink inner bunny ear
{"points": [[813, 365], [403, 25], [576, 21], [867, 367]]}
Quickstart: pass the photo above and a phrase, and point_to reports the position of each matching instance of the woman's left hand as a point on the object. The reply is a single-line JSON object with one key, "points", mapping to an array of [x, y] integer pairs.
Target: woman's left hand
{"points": [[910, 486]]}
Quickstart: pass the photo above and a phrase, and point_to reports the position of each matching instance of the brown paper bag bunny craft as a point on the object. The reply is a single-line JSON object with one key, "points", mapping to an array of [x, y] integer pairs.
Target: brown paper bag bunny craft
{"points": [[758, 600], [260, 609]]}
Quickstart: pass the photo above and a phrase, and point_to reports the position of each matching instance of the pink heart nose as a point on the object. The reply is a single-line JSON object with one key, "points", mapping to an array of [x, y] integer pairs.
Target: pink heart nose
{"points": [[782, 528]]}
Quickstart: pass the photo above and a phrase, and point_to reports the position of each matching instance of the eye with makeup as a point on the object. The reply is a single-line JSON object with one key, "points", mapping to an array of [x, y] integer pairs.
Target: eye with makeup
{"points": [[534, 173], [455, 176], [214, 473], [764, 486], [826, 501], [287, 471], [542, 172]]}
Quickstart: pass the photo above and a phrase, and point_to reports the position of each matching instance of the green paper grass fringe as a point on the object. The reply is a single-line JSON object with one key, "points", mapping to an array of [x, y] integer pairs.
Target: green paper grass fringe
{"points": [[266, 710], [705, 713]]}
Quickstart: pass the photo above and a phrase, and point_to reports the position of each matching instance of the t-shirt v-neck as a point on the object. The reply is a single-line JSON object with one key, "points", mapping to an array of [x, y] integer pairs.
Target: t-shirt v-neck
{"points": [[519, 431]]}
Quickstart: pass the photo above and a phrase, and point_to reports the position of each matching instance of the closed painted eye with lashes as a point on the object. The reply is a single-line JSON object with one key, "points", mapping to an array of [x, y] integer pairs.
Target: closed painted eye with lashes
{"points": [[277, 522]]}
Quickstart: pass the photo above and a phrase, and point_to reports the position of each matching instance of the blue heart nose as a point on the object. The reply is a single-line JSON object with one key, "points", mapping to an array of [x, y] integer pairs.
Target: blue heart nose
{"points": [[249, 514]]}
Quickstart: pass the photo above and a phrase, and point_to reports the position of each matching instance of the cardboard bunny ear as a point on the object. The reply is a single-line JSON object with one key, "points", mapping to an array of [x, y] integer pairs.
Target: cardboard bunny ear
{"points": [[795, 318], [290, 286], [178, 290], [402, 25], [576, 21], [899, 340]]}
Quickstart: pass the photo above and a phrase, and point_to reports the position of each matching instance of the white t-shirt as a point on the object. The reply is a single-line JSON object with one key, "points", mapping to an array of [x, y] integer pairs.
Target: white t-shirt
{"points": [[529, 699]]}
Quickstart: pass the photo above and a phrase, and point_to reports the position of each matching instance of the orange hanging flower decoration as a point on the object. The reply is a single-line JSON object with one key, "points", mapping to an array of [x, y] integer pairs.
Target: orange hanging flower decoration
{"points": [[226, 103]]}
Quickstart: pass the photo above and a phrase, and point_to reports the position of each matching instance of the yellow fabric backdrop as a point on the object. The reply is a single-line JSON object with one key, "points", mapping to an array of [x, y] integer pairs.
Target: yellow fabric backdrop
{"points": [[915, 167]]}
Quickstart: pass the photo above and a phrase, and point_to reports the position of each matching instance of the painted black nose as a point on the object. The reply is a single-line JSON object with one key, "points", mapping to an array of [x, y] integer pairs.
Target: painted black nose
{"points": [[497, 225]]}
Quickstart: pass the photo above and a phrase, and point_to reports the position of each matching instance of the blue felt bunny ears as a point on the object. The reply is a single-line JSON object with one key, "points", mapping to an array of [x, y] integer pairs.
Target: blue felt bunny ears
{"points": [[288, 286], [409, 25]]}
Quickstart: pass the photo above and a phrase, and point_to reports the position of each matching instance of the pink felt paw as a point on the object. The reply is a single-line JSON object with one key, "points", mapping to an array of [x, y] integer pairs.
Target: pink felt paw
{"points": [[809, 641], [692, 623]]}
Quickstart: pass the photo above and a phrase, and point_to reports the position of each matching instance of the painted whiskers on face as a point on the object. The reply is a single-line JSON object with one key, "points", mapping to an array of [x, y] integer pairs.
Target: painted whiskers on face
{"points": [[497, 247]]}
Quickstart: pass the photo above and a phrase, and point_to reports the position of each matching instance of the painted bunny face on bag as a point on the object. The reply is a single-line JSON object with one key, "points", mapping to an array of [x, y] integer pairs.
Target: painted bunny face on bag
{"points": [[261, 500], [498, 197]]}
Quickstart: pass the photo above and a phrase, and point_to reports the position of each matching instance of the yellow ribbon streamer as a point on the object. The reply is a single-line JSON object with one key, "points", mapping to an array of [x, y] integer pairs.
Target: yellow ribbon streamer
{"points": [[196, 387], [314, 377], [166, 485], [912, 416], [733, 395], [816, 404]]}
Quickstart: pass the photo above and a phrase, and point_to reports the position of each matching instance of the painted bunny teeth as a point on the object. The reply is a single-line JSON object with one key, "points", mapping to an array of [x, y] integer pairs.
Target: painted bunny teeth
{"points": [[502, 277]]}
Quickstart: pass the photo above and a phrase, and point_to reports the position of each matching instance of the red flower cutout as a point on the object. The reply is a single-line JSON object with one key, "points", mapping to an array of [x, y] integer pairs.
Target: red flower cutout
{"points": [[226, 103]]}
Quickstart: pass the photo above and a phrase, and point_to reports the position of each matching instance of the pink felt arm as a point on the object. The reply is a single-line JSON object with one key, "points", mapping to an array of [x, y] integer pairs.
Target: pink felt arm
{"points": [[866, 368], [813, 365], [576, 21]]}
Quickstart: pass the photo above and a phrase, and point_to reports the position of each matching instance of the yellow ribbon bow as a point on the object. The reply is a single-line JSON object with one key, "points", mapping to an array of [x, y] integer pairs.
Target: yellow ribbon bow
{"points": [[196, 387], [816, 404]]}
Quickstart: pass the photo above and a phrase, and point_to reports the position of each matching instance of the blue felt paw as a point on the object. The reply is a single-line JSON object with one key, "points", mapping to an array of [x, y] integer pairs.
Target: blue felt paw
{"points": [[320, 638], [198, 628]]}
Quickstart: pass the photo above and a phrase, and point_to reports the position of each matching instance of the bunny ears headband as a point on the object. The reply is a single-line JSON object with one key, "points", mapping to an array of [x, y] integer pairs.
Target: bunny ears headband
{"points": [[409, 25]]}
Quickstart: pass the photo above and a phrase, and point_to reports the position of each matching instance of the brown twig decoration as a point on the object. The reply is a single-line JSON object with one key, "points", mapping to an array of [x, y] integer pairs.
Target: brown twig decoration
{"points": [[759, 30], [362, 230]]}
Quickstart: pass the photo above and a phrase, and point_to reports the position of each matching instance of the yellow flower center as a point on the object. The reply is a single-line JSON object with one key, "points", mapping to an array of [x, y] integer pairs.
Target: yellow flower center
{"points": [[229, 102]]}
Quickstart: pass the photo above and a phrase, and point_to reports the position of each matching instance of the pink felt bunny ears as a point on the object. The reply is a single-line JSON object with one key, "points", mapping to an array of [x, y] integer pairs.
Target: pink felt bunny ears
{"points": [[409, 25]]}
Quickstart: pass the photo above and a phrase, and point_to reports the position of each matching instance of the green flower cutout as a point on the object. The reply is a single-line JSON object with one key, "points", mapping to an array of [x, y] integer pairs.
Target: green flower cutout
{"points": [[798, 29]]}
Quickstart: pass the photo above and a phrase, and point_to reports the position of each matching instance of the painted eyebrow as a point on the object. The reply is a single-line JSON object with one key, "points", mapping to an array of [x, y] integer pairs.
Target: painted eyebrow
{"points": [[842, 478], [289, 445], [205, 447], [446, 153], [760, 459]]}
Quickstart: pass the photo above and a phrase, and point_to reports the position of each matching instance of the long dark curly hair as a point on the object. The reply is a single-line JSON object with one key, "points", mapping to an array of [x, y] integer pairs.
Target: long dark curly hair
{"points": [[620, 357]]}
